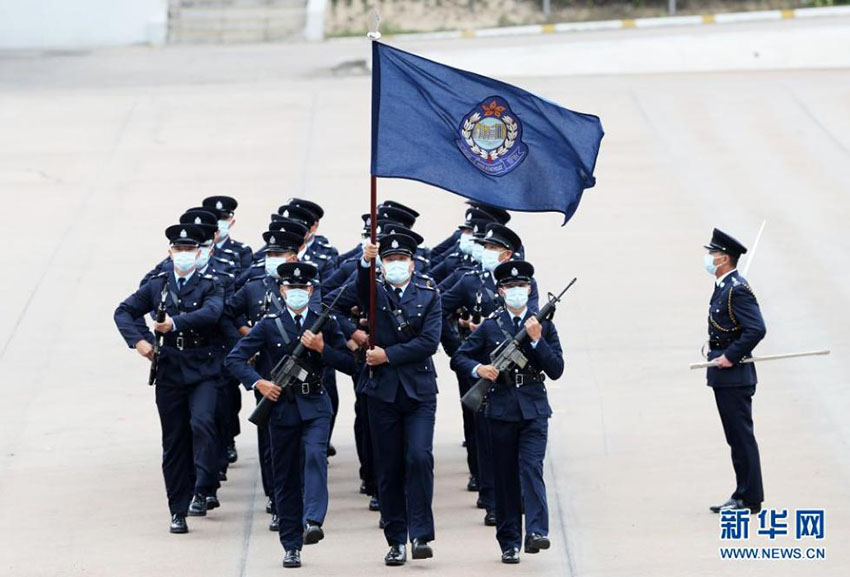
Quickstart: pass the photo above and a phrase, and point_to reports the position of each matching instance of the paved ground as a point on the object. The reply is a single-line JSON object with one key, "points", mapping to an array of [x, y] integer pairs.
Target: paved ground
{"points": [[100, 151]]}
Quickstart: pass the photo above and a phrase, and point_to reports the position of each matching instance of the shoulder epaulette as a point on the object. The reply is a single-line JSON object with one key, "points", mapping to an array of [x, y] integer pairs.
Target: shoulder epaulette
{"points": [[261, 263], [160, 274]]}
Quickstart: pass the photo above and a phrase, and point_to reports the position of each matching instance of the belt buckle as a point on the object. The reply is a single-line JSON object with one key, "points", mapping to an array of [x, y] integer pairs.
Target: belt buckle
{"points": [[305, 388], [179, 343], [519, 379]]}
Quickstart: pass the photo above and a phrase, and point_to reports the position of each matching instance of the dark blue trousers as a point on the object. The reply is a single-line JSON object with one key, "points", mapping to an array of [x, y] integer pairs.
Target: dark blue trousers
{"points": [[469, 436], [363, 442], [300, 464], [265, 453], [227, 417], [189, 442], [735, 405], [403, 440], [485, 461], [329, 383], [518, 476]]}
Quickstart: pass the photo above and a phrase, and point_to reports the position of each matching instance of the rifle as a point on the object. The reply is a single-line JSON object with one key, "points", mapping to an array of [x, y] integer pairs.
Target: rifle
{"points": [[158, 336], [289, 370], [509, 354]]}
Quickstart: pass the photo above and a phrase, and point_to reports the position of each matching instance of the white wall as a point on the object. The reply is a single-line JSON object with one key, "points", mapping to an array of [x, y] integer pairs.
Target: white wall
{"points": [[81, 23]]}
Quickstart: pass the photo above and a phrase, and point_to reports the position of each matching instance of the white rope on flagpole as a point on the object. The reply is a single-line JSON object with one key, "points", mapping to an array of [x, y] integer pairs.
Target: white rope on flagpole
{"points": [[753, 252]]}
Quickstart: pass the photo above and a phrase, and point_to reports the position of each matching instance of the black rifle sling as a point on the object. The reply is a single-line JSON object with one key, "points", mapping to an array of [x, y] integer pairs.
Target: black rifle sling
{"points": [[279, 324]]}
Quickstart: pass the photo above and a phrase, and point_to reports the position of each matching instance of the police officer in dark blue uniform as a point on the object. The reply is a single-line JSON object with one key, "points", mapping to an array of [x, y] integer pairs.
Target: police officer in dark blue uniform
{"points": [[310, 251], [315, 242], [517, 410], [450, 244], [258, 297], [476, 294], [300, 421], [735, 327], [188, 370], [402, 395], [462, 256], [226, 245]]}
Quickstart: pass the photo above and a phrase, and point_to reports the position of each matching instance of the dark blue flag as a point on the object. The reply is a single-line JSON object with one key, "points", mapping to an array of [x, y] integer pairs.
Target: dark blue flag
{"points": [[478, 137]]}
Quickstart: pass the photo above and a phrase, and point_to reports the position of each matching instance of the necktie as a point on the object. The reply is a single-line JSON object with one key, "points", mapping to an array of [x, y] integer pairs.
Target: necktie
{"points": [[517, 322], [397, 292], [181, 282], [298, 324]]}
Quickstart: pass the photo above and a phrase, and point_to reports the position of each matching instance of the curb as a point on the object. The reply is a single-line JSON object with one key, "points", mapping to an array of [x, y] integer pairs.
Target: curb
{"points": [[662, 22]]}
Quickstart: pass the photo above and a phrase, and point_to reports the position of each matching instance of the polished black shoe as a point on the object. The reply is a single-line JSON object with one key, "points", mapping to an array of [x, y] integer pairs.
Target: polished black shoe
{"points": [[292, 559], [472, 484], [536, 542], [274, 525], [212, 502], [313, 533], [232, 455], [480, 504], [397, 556], [733, 504], [730, 504], [374, 504], [490, 519], [331, 450], [178, 524], [222, 476], [363, 490], [198, 506], [420, 549], [381, 523], [510, 556], [269, 506]]}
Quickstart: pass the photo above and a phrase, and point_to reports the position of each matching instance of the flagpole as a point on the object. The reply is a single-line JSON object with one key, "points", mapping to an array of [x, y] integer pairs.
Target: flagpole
{"points": [[373, 237]]}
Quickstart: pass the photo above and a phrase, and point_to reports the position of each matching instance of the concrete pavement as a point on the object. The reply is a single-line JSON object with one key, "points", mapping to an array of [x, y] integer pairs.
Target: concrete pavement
{"points": [[100, 151]]}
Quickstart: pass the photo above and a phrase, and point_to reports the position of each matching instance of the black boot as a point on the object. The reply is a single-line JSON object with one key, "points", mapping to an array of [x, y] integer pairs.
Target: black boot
{"points": [[178, 524], [397, 556], [292, 559], [198, 506]]}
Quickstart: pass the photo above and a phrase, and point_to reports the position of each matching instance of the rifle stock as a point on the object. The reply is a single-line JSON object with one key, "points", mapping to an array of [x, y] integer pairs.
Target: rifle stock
{"points": [[509, 353]]}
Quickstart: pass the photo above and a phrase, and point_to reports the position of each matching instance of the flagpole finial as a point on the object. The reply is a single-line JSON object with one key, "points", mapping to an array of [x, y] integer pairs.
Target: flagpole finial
{"points": [[374, 24]]}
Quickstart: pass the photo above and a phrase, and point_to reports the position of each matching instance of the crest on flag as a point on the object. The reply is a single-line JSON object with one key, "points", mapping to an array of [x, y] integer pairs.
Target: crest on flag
{"points": [[490, 137]]}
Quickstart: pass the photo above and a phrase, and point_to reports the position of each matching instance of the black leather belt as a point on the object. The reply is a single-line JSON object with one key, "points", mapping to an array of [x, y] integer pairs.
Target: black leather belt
{"points": [[308, 388], [181, 342], [522, 379]]}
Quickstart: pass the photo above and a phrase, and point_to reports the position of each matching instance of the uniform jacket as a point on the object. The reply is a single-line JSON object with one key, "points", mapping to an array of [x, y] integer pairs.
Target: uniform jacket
{"points": [[409, 352], [196, 311], [266, 338], [238, 252], [505, 400], [735, 327]]}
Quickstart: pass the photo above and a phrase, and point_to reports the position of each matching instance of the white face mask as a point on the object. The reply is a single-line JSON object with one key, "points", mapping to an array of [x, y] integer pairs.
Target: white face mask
{"points": [[296, 299], [397, 271], [477, 251], [272, 262], [516, 297], [184, 260], [466, 244], [223, 229], [490, 259], [204, 257]]}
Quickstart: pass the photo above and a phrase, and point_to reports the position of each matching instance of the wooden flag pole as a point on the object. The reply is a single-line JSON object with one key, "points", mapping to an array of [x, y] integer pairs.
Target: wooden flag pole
{"points": [[373, 237]]}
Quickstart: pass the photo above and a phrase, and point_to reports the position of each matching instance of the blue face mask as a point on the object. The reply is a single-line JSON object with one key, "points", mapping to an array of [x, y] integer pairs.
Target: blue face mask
{"points": [[490, 259], [516, 297], [708, 262], [204, 257], [272, 262], [184, 260], [477, 251], [223, 229], [466, 244], [397, 271], [296, 299]]}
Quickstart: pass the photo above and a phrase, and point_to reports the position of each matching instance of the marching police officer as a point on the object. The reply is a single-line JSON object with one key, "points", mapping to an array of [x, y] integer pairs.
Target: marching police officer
{"points": [[451, 243], [300, 421], [258, 297], [188, 370], [401, 392], [462, 257], [226, 245], [517, 409], [735, 327]]}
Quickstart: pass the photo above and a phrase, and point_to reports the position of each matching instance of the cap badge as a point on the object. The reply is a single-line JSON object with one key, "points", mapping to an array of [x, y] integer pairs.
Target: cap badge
{"points": [[197, 220], [395, 243], [183, 233], [296, 273], [514, 272], [272, 240], [489, 233], [219, 205], [286, 213]]}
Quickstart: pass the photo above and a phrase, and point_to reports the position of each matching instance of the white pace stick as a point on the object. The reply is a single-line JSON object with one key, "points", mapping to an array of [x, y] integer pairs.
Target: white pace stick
{"points": [[713, 363], [753, 252]]}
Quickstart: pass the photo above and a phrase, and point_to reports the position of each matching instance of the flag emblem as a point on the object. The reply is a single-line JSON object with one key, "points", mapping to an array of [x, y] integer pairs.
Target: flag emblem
{"points": [[491, 137]]}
